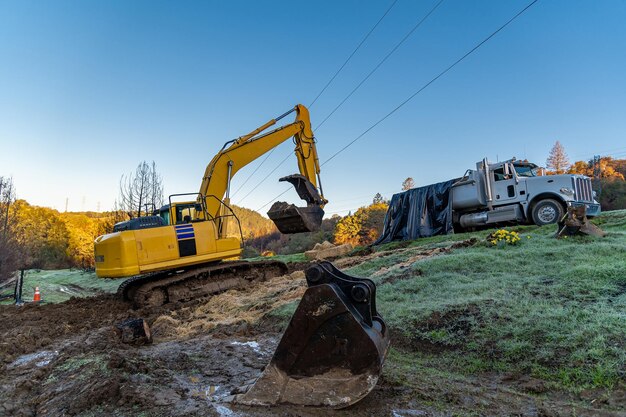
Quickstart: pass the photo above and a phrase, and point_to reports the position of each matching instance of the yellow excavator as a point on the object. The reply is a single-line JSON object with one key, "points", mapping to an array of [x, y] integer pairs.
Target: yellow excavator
{"points": [[333, 349]]}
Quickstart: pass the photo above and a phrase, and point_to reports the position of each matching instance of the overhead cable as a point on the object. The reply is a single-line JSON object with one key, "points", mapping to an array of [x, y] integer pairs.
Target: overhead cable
{"points": [[417, 25], [264, 178], [254, 172], [481, 43], [353, 52]]}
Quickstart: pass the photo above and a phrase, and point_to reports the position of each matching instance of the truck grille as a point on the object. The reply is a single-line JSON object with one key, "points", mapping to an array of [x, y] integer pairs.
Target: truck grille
{"points": [[582, 189]]}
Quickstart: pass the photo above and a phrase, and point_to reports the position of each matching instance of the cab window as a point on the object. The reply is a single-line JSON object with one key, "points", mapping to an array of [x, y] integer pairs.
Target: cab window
{"points": [[184, 214], [526, 170], [499, 175], [165, 215]]}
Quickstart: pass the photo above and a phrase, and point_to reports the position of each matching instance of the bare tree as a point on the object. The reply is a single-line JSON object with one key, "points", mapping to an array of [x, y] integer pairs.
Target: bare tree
{"points": [[557, 159], [141, 191], [9, 255], [407, 184], [156, 183]]}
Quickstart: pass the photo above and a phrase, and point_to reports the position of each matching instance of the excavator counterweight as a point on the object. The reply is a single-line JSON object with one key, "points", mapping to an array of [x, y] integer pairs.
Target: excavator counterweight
{"points": [[333, 349]]}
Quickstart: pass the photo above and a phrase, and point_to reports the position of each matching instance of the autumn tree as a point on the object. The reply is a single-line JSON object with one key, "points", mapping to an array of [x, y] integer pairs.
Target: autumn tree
{"points": [[609, 168], [581, 168], [42, 236], [363, 227], [9, 255], [407, 184], [82, 231], [141, 191], [557, 159]]}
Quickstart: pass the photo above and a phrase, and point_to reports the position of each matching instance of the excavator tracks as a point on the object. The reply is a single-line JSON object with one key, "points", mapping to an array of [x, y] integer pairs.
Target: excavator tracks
{"points": [[159, 288]]}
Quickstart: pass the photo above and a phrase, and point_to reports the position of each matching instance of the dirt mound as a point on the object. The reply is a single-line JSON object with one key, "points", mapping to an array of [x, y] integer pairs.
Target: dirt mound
{"points": [[243, 307], [327, 250]]}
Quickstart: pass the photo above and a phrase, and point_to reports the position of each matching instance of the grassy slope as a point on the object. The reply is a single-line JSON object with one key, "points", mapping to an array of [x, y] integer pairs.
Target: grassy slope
{"points": [[553, 309]]}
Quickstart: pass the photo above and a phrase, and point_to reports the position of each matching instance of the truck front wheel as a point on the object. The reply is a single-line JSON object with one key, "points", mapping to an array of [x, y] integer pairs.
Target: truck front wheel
{"points": [[547, 211]]}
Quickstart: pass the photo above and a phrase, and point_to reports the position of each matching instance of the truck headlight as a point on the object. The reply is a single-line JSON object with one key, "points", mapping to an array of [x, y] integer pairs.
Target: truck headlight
{"points": [[567, 191]]}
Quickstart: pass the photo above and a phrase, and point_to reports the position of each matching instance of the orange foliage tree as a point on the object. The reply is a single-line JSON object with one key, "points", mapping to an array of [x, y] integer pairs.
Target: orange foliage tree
{"points": [[609, 168], [363, 227]]}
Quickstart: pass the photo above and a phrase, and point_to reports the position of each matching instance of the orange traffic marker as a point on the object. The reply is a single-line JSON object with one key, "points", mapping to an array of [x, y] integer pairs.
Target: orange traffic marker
{"points": [[37, 296]]}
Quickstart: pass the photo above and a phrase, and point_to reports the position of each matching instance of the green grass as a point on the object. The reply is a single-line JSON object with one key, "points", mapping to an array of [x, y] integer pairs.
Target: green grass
{"points": [[554, 309], [60, 285]]}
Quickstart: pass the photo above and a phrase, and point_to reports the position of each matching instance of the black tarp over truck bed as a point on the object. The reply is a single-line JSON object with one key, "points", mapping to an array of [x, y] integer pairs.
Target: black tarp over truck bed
{"points": [[419, 212]]}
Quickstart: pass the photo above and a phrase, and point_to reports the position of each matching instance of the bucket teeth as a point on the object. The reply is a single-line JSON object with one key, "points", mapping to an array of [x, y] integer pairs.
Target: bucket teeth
{"points": [[333, 349]]}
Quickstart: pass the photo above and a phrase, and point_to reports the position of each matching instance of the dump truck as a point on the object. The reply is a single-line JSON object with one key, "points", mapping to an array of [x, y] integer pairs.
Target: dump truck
{"points": [[507, 192], [517, 191]]}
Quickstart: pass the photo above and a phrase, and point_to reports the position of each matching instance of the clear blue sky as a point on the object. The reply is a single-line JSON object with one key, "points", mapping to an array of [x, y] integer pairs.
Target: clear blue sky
{"points": [[89, 89]]}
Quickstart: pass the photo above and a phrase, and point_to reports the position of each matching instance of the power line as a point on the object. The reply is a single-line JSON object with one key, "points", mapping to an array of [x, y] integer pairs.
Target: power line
{"points": [[264, 178], [272, 200], [417, 25], [254, 172], [353, 52], [432, 80]]}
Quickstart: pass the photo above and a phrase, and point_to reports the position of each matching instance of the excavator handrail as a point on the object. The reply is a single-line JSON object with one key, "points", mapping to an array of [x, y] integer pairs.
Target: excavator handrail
{"points": [[229, 215], [208, 216]]}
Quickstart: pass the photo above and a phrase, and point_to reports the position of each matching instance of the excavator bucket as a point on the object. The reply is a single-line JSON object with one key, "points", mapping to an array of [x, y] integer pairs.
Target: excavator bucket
{"points": [[291, 219], [333, 350]]}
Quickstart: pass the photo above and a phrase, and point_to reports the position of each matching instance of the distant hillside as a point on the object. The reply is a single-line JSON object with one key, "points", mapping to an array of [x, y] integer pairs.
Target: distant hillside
{"points": [[253, 224]]}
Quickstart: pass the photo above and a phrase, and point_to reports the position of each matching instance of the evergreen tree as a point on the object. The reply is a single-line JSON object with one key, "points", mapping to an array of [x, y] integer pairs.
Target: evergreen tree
{"points": [[557, 159], [407, 184]]}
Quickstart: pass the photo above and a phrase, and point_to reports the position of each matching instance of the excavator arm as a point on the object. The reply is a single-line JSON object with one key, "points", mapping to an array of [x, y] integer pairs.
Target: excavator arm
{"points": [[239, 152]]}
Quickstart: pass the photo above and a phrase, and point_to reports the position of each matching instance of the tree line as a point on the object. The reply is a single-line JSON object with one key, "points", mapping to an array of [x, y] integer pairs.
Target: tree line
{"points": [[608, 174], [39, 237], [42, 238]]}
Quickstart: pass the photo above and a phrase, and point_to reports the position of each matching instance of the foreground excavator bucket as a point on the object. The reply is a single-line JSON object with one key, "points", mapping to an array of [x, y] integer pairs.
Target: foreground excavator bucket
{"points": [[291, 219], [333, 350]]}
